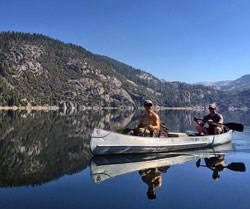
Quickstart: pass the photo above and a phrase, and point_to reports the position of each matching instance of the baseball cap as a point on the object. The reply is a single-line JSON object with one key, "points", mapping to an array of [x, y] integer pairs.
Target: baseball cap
{"points": [[148, 102], [213, 106]]}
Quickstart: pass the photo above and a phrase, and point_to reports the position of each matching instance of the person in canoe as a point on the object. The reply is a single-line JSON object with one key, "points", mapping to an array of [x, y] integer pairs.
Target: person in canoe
{"points": [[149, 123], [214, 121], [153, 178]]}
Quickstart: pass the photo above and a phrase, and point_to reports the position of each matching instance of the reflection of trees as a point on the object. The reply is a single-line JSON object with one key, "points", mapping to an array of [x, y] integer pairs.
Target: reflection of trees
{"points": [[38, 147], [237, 116], [112, 120], [177, 120]]}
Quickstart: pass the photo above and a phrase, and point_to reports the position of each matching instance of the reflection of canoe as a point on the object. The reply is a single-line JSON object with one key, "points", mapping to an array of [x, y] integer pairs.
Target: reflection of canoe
{"points": [[108, 142], [109, 166]]}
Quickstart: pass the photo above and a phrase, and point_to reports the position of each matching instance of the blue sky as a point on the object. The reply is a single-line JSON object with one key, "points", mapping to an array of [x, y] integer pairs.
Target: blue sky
{"points": [[176, 40]]}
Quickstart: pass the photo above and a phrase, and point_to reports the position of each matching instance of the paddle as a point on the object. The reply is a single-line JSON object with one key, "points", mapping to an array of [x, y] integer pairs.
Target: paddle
{"points": [[237, 167], [232, 166], [123, 130], [233, 126]]}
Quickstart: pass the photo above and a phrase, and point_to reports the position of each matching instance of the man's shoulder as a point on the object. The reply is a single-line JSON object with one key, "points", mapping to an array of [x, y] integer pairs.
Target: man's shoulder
{"points": [[219, 115], [143, 115], [216, 114], [207, 116], [154, 114]]}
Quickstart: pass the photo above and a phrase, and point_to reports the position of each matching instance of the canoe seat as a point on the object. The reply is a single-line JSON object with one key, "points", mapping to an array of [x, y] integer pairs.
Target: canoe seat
{"points": [[177, 134]]}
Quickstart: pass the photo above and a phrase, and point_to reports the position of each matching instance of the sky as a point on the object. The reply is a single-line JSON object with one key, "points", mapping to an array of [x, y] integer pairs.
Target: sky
{"points": [[176, 40]]}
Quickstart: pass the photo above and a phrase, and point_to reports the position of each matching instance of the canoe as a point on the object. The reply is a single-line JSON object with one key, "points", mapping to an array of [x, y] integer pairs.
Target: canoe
{"points": [[109, 166], [104, 142]]}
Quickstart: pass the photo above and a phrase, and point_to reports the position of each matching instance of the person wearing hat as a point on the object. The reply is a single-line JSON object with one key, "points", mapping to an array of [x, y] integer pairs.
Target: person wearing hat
{"points": [[149, 123], [153, 178], [214, 121], [216, 164]]}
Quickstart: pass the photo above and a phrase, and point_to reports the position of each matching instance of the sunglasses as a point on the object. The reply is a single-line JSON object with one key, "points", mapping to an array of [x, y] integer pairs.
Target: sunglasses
{"points": [[210, 108], [148, 105]]}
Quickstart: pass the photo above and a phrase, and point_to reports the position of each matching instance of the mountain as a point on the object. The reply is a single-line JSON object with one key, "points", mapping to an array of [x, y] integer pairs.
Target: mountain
{"points": [[215, 84], [38, 70], [240, 84]]}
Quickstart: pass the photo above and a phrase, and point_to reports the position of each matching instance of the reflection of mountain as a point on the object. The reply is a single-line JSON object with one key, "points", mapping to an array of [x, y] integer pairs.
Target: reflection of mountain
{"points": [[182, 121], [39, 147]]}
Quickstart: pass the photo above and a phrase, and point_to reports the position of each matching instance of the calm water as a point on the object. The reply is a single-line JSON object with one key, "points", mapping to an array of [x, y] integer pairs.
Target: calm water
{"points": [[45, 162]]}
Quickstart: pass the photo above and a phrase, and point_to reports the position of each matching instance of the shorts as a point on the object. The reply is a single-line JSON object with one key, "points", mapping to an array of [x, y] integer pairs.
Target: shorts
{"points": [[146, 133], [210, 130]]}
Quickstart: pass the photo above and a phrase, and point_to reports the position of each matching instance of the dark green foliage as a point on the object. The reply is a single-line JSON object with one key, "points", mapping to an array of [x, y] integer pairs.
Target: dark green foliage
{"points": [[42, 138], [38, 70]]}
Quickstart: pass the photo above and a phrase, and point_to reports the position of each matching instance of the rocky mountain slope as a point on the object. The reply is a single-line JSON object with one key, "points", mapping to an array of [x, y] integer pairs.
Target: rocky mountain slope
{"points": [[38, 70], [240, 84]]}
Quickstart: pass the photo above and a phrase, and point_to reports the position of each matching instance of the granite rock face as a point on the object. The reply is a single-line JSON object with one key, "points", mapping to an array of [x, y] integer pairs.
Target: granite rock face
{"points": [[38, 70]]}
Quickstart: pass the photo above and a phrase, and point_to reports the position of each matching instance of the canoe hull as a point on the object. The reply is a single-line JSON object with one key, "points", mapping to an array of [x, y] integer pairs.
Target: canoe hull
{"points": [[110, 166], [107, 142]]}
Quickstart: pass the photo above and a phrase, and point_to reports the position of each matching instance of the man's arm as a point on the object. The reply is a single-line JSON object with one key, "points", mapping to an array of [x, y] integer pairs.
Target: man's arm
{"points": [[199, 121], [157, 125], [220, 122]]}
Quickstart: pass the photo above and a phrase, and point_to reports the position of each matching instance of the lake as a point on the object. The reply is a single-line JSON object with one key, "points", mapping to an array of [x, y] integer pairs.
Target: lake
{"points": [[45, 162]]}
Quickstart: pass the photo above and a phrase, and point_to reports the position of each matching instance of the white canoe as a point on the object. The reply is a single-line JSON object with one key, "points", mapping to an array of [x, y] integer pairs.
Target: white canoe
{"points": [[110, 166], [105, 142]]}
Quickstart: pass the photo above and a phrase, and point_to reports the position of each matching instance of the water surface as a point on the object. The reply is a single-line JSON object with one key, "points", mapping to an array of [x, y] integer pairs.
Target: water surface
{"points": [[46, 163]]}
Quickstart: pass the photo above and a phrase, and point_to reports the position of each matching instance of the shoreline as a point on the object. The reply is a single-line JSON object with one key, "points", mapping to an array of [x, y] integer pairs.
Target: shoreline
{"points": [[28, 108], [54, 108]]}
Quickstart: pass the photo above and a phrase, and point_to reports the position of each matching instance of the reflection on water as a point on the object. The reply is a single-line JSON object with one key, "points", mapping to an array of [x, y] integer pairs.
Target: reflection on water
{"points": [[217, 164], [153, 178], [178, 120], [151, 167], [38, 147]]}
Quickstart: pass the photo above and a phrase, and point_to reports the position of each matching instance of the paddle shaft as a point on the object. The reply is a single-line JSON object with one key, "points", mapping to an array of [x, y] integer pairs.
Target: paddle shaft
{"points": [[196, 119], [232, 166], [234, 126]]}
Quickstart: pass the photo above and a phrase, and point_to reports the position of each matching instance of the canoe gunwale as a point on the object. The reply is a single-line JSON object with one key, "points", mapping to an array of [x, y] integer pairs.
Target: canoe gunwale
{"points": [[107, 142]]}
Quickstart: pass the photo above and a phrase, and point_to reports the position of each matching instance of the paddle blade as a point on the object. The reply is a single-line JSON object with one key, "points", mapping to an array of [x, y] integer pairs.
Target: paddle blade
{"points": [[235, 126], [198, 163], [237, 167]]}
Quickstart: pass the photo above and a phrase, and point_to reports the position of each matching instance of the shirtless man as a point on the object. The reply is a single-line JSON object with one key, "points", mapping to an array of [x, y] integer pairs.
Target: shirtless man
{"points": [[149, 120]]}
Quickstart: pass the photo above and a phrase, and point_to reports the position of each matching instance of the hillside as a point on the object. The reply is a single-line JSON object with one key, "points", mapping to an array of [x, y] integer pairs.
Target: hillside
{"points": [[38, 70], [240, 84], [216, 83]]}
